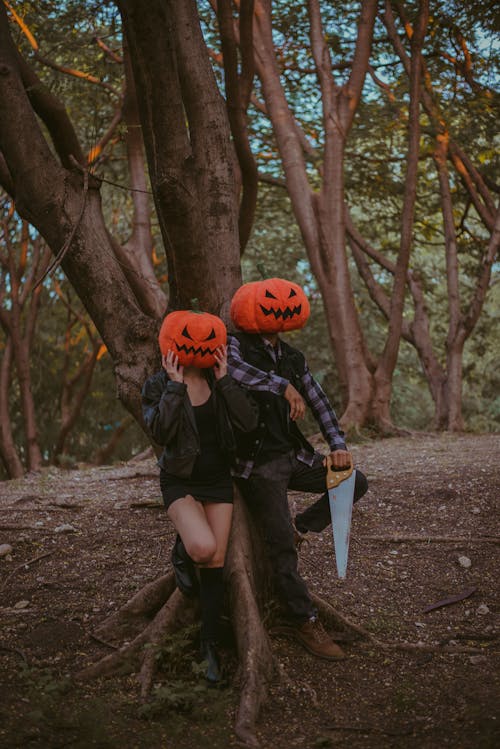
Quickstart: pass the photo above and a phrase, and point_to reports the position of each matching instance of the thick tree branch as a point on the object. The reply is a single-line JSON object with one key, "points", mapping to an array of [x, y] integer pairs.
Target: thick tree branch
{"points": [[238, 91]]}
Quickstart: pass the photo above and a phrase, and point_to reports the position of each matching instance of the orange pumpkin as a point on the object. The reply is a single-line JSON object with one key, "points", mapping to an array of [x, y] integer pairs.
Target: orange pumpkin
{"points": [[270, 306], [193, 336]]}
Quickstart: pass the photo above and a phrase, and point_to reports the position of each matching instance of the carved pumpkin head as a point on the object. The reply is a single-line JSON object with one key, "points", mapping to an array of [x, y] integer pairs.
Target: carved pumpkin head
{"points": [[193, 336], [270, 306]]}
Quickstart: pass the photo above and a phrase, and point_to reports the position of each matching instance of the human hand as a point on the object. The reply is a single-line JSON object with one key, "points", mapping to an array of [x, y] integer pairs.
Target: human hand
{"points": [[170, 364], [296, 401], [220, 367], [341, 460]]}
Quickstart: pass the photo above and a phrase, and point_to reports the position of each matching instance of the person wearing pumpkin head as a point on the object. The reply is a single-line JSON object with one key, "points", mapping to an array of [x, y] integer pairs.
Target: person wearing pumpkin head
{"points": [[193, 408], [277, 457]]}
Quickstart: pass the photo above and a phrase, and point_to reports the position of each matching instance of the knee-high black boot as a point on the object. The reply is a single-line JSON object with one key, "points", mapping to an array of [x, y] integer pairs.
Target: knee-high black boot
{"points": [[211, 601], [184, 569]]}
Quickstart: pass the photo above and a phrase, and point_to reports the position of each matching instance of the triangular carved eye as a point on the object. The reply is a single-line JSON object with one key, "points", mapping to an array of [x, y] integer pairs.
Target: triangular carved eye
{"points": [[292, 293], [210, 337], [185, 333], [269, 295]]}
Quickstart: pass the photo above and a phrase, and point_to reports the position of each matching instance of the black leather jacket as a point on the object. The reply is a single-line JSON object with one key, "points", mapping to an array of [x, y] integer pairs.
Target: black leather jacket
{"points": [[169, 416]]}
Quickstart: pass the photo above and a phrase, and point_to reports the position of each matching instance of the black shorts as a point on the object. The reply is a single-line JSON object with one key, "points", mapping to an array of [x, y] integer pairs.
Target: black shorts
{"points": [[211, 489]]}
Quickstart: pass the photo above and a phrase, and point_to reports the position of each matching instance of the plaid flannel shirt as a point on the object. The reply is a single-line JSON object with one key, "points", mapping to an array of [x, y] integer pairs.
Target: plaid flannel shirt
{"points": [[256, 379]]}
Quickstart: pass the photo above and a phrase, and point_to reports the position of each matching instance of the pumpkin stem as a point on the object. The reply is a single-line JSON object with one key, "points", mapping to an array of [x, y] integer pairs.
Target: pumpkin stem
{"points": [[262, 271], [195, 305]]}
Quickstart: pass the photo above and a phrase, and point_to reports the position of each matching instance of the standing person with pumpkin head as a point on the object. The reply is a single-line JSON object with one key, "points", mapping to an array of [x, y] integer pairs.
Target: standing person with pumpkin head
{"points": [[277, 457], [192, 408]]}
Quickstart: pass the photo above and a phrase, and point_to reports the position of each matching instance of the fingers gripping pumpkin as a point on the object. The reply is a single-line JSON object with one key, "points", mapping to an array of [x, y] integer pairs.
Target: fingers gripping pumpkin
{"points": [[270, 306], [193, 336]]}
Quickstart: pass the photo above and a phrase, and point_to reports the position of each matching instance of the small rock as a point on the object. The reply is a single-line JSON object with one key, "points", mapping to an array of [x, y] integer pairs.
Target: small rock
{"points": [[464, 562], [477, 659], [482, 609], [65, 528], [21, 605], [5, 550]]}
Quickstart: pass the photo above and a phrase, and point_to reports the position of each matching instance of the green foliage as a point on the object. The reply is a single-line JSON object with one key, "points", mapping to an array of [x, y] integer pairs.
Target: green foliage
{"points": [[276, 244], [375, 167], [102, 411], [183, 687]]}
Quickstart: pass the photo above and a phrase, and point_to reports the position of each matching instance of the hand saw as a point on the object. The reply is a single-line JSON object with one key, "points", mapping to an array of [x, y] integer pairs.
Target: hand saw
{"points": [[340, 485]]}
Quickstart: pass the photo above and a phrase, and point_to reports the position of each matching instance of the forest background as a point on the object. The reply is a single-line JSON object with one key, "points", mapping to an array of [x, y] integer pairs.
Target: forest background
{"points": [[415, 179]]}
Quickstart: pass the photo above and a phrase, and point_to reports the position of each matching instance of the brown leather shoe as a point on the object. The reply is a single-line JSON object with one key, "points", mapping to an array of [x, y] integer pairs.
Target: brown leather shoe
{"points": [[313, 637]]}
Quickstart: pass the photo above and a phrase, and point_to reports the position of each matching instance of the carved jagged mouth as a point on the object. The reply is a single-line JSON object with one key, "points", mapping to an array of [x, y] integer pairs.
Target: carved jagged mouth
{"points": [[285, 314], [193, 350]]}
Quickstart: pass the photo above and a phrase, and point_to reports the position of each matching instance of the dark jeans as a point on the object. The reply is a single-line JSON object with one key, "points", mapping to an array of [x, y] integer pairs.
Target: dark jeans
{"points": [[265, 493]]}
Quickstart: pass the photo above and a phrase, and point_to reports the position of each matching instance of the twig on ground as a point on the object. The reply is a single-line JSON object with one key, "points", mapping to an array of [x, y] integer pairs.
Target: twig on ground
{"points": [[26, 564], [18, 652], [450, 600], [102, 642], [396, 539], [422, 647]]}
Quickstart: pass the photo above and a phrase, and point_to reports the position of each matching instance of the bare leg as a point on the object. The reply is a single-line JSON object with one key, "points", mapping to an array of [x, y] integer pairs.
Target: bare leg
{"points": [[219, 516], [191, 523], [204, 529]]}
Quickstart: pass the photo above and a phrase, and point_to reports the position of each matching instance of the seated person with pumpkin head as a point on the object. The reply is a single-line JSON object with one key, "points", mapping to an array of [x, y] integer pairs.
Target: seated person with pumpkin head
{"points": [[277, 456], [193, 408]]}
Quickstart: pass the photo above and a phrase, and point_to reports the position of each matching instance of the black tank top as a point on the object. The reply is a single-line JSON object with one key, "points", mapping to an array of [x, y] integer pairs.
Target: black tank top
{"points": [[211, 461]]}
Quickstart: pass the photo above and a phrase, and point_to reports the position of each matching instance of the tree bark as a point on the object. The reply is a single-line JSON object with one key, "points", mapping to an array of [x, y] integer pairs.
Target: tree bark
{"points": [[53, 199], [446, 384], [189, 151], [135, 254], [388, 359], [321, 216], [18, 324], [8, 452], [238, 89]]}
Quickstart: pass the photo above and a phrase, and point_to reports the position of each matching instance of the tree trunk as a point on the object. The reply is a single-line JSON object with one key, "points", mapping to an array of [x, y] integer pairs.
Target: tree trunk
{"points": [[104, 454], [71, 400], [159, 608], [136, 253], [190, 161], [189, 151], [446, 386], [321, 216], [388, 359], [8, 452]]}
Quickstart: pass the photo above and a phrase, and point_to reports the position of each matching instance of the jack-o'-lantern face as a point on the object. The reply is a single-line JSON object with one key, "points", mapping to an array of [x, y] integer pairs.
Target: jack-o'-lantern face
{"points": [[270, 306], [193, 337]]}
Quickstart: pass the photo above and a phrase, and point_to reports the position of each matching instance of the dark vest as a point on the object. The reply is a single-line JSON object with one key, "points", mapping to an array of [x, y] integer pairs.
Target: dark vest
{"points": [[276, 433]]}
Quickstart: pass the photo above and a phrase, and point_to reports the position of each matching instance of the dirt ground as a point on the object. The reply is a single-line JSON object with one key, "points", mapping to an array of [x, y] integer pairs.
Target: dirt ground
{"points": [[83, 541]]}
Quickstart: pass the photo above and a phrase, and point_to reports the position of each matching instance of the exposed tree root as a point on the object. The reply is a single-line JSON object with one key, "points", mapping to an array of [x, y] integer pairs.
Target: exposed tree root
{"points": [[256, 661], [139, 610], [177, 612], [159, 609], [348, 629]]}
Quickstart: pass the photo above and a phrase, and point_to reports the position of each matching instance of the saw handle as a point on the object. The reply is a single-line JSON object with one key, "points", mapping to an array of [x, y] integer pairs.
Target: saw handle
{"points": [[335, 476]]}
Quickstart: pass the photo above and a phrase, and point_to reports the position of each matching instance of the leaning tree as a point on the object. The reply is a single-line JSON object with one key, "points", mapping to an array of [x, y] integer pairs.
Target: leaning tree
{"points": [[172, 96], [370, 135], [186, 134]]}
